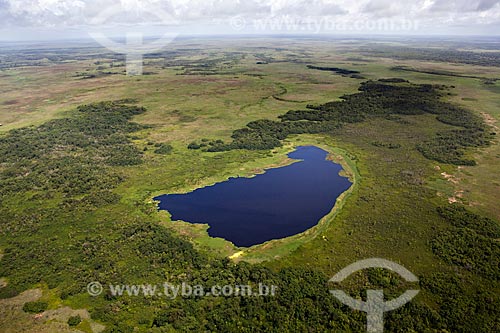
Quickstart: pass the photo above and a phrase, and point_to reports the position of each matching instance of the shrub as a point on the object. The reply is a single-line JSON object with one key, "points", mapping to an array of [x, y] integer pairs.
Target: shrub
{"points": [[74, 320], [35, 307], [164, 149]]}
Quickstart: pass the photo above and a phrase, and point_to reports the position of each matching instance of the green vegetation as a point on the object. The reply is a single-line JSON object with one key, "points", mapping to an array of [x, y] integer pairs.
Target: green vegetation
{"points": [[386, 145], [444, 73], [71, 155], [394, 80], [304, 300], [74, 320], [460, 217], [35, 307], [341, 71], [76, 186], [436, 54], [210, 145], [376, 99], [471, 244], [163, 148]]}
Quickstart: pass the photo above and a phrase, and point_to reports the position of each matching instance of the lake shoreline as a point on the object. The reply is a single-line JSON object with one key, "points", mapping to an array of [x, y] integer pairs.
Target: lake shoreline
{"points": [[274, 248]]}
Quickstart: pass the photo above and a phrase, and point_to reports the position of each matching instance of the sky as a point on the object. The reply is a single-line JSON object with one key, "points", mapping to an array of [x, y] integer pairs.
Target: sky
{"points": [[65, 19]]}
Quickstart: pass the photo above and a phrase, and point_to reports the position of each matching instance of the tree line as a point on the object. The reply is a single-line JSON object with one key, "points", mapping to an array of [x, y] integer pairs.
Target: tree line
{"points": [[383, 98]]}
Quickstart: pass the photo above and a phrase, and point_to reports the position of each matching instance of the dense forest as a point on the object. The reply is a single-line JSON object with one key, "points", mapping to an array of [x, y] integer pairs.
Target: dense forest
{"points": [[70, 155], [64, 170], [383, 98]]}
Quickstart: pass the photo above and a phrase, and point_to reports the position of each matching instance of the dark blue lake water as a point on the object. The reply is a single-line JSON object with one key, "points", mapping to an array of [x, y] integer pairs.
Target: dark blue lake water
{"points": [[279, 203]]}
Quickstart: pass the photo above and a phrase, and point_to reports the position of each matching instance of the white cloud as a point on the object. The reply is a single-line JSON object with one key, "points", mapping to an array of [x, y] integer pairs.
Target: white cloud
{"points": [[464, 6], [62, 14]]}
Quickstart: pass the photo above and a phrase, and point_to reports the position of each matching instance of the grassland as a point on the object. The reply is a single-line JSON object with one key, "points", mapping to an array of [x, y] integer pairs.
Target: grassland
{"points": [[390, 211]]}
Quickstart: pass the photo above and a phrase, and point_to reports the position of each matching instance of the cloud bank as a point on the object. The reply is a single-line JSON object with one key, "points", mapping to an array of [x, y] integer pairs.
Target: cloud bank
{"points": [[217, 16]]}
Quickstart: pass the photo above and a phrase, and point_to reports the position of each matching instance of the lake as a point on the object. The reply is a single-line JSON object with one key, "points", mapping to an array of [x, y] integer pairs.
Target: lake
{"points": [[280, 203]]}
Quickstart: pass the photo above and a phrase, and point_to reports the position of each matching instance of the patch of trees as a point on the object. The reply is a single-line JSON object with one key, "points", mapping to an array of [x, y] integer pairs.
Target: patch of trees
{"points": [[334, 69], [394, 80], [74, 320], [207, 144], [267, 134], [470, 250], [163, 148], [450, 147], [70, 155], [460, 217], [456, 296], [344, 72], [91, 201], [376, 99], [35, 307], [472, 243], [95, 75], [388, 145]]}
